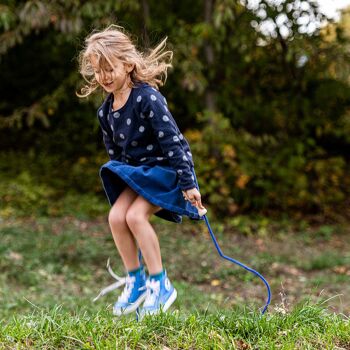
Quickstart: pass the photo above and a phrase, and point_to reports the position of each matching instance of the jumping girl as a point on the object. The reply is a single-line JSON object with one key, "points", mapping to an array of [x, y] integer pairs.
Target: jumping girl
{"points": [[151, 169]]}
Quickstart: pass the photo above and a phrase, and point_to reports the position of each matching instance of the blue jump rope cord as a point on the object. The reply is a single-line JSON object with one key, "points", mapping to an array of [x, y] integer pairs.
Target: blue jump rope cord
{"points": [[233, 261]]}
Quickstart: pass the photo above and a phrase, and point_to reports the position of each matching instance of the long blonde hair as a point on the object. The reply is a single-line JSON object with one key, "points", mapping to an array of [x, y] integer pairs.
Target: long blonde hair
{"points": [[114, 42]]}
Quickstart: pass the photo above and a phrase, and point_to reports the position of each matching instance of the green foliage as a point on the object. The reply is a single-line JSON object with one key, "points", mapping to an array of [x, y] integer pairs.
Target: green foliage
{"points": [[41, 184], [276, 139], [238, 171]]}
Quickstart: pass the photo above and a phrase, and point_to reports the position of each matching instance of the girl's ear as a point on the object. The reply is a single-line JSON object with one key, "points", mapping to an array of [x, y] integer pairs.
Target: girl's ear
{"points": [[129, 67]]}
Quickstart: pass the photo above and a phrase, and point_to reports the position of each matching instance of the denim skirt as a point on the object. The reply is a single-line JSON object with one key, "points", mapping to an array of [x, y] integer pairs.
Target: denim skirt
{"points": [[158, 184]]}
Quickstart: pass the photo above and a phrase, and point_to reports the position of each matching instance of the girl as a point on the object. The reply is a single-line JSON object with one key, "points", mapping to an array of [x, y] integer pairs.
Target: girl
{"points": [[150, 171]]}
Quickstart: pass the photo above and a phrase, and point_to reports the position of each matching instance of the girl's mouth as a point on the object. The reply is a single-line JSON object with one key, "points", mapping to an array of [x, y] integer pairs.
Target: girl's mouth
{"points": [[108, 84]]}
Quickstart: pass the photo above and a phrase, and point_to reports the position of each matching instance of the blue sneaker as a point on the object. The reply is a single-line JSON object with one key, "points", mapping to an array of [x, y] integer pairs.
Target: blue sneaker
{"points": [[160, 295], [133, 294]]}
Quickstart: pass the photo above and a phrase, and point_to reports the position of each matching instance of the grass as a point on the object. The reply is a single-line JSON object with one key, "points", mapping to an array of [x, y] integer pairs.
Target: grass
{"points": [[306, 327], [52, 268]]}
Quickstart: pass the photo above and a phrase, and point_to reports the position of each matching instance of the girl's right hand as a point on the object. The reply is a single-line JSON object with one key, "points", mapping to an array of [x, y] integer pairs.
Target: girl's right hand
{"points": [[194, 197]]}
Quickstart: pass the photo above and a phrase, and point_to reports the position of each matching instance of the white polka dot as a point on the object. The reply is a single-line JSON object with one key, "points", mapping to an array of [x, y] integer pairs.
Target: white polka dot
{"points": [[127, 160], [122, 136], [160, 158], [176, 139], [100, 113], [112, 127], [154, 89], [142, 159], [192, 177], [170, 153], [116, 115], [139, 98], [181, 137], [110, 151], [166, 108], [141, 128], [149, 147], [142, 116], [179, 172], [184, 158], [165, 100], [105, 132], [160, 134], [134, 143], [165, 118], [153, 98], [151, 114], [128, 121], [189, 153]]}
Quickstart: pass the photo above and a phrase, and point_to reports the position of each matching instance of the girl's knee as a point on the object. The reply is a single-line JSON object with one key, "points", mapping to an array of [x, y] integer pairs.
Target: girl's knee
{"points": [[134, 217], [116, 217]]}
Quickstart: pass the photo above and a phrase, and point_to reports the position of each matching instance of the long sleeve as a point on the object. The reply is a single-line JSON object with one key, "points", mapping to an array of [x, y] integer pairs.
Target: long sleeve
{"points": [[168, 135], [113, 150]]}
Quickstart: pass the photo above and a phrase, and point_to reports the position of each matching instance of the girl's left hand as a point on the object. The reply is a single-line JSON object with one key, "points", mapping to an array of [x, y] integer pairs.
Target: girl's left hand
{"points": [[194, 197]]}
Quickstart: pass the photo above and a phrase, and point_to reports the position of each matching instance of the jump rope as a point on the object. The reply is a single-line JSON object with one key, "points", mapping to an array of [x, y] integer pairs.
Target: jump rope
{"points": [[201, 212]]}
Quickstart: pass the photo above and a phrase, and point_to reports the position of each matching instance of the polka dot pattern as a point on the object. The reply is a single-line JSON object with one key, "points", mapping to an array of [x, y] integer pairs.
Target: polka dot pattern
{"points": [[146, 130]]}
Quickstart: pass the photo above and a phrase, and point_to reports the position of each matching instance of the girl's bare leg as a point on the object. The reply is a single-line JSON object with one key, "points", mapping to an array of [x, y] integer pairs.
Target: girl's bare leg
{"points": [[137, 218], [123, 237]]}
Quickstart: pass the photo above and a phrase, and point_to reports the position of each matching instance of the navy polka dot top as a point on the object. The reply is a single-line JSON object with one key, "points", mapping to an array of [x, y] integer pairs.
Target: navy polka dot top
{"points": [[143, 132]]}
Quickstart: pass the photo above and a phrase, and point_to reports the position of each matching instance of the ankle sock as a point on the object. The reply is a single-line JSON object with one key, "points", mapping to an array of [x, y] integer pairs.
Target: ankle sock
{"points": [[135, 271], [157, 276]]}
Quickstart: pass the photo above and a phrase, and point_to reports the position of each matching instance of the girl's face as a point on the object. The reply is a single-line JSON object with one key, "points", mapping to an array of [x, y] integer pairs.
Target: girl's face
{"points": [[112, 79]]}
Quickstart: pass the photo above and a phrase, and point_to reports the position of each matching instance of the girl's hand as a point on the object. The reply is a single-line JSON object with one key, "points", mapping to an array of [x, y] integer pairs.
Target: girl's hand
{"points": [[194, 197]]}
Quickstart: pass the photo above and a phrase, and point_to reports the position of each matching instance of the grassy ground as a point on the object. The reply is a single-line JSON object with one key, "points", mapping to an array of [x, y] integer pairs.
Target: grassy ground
{"points": [[51, 268]]}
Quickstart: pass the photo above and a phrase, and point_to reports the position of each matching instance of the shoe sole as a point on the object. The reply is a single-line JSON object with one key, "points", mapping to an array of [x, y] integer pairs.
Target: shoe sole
{"points": [[130, 308]]}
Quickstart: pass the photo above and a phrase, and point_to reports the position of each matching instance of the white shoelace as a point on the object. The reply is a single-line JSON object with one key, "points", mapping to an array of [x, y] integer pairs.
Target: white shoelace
{"points": [[153, 289], [129, 285], [120, 281]]}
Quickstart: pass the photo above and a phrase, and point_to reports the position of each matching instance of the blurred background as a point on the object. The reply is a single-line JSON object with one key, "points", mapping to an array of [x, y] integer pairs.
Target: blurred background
{"points": [[260, 89]]}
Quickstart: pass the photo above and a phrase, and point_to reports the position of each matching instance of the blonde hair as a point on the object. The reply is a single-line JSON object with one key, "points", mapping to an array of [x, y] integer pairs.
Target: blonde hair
{"points": [[114, 42]]}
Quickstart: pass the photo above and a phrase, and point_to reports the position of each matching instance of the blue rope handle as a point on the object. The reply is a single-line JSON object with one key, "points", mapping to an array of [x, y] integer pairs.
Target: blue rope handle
{"points": [[240, 264]]}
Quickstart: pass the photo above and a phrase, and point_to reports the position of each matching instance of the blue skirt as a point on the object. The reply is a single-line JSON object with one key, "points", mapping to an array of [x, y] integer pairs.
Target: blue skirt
{"points": [[158, 184]]}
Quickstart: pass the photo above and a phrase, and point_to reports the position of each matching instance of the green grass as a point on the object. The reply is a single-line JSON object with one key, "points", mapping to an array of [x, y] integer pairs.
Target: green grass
{"points": [[52, 268], [306, 327]]}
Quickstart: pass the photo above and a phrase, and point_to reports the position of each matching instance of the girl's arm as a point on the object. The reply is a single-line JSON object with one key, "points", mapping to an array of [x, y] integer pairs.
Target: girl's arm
{"points": [[169, 136]]}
